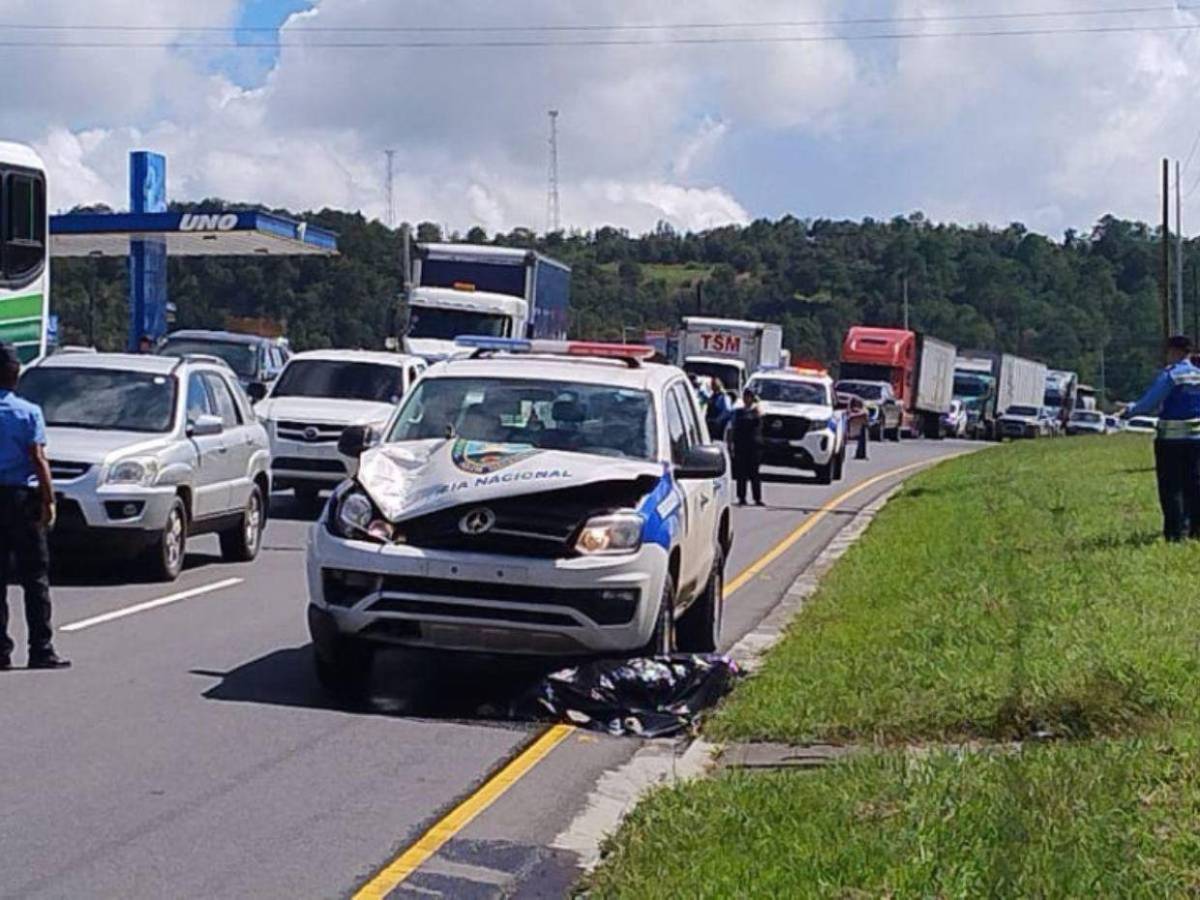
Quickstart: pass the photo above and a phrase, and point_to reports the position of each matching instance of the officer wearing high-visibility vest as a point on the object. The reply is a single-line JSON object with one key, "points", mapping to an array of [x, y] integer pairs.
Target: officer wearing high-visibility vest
{"points": [[1175, 396]]}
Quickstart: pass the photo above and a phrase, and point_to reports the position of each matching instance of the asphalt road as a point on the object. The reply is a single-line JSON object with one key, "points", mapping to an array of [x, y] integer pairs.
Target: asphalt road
{"points": [[191, 753]]}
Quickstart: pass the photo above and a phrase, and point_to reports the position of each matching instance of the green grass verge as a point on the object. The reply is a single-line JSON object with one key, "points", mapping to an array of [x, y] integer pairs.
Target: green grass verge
{"points": [[1107, 819], [1021, 590]]}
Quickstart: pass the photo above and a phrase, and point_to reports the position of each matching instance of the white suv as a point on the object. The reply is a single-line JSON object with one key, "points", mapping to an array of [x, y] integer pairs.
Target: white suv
{"points": [[535, 498], [147, 450], [801, 427], [315, 398]]}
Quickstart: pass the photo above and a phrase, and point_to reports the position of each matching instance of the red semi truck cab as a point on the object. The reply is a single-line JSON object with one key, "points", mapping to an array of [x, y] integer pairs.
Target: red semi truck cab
{"points": [[919, 368], [882, 354]]}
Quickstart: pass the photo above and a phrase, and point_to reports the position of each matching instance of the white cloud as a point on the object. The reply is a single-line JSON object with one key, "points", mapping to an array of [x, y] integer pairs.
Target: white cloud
{"points": [[1054, 130]]}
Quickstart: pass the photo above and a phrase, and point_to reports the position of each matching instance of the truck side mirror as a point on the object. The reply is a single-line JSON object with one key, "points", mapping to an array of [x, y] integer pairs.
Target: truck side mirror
{"points": [[704, 461], [256, 391]]}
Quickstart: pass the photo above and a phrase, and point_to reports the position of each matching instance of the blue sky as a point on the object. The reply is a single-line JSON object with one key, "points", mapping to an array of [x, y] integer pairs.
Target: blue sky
{"points": [[249, 69]]}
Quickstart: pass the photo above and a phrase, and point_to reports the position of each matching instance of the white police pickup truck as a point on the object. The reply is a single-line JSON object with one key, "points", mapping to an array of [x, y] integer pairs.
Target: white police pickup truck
{"points": [[540, 498], [801, 427]]}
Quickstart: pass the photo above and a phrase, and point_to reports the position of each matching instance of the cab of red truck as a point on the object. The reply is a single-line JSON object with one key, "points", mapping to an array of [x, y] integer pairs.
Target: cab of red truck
{"points": [[919, 368], [882, 354]]}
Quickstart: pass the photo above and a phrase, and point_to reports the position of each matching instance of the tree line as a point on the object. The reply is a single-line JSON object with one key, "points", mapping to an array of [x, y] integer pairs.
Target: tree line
{"points": [[1087, 302]]}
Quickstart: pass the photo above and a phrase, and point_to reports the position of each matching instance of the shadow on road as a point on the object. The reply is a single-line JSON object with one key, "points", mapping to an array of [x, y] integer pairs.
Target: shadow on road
{"points": [[288, 508], [404, 683], [76, 570]]}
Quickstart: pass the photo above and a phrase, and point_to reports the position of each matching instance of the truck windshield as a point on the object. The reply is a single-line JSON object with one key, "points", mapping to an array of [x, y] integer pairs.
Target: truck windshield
{"points": [[101, 399], [241, 357], [341, 381], [864, 389], [780, 390], [729, 375], [971, 386], [549, 415], [447, 324]]}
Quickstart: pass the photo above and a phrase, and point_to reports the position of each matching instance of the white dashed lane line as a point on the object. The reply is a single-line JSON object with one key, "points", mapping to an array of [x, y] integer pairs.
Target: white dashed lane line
{"points": [[150, 604]]}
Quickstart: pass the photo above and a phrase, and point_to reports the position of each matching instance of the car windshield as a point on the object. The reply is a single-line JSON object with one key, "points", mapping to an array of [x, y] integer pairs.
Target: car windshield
{"points": [[551, 415], [780, 390], [340, 380], [1091, 417], [101, 399], [864, 389], [241, 357], [1023, 411], [728, 375], [447, 324]]}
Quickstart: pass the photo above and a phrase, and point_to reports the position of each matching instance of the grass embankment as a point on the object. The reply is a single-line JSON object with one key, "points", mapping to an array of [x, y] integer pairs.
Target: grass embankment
{"points": [[1017, 593]]}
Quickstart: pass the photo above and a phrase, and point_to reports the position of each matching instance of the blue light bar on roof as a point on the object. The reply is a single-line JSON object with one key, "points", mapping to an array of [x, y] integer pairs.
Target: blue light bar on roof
{"points": [[484, 342]]}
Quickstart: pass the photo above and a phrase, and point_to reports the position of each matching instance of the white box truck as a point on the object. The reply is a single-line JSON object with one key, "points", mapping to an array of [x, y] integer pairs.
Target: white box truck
{"points": [[729, 350], [469, 289]]}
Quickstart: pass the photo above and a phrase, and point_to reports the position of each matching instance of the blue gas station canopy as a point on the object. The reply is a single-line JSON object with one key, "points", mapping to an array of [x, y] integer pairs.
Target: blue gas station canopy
{"points": [[245, 233]]}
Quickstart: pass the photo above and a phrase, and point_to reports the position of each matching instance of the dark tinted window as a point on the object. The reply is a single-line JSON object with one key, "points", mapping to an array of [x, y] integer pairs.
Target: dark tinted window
{"points": [[242, 358], [676, 430], [341, 380], [101, 399], [24, 216]]}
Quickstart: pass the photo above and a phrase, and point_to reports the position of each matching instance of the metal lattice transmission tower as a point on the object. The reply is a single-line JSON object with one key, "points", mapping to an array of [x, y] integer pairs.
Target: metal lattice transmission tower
{"points": [[553, 211], [391, 188]]}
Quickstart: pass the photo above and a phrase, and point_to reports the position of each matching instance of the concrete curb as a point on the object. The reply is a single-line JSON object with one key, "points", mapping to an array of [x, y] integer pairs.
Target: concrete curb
{"points": [[666, 762]]}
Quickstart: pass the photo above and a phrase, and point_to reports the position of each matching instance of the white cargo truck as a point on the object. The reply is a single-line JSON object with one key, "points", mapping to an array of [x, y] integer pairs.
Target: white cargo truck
{"points": [[729, 350], [934, 384]]}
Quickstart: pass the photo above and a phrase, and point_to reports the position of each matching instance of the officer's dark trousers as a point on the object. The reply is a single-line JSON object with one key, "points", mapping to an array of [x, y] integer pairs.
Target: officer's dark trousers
{"points": [[1177, 464], [23, 542], [746, 465]]}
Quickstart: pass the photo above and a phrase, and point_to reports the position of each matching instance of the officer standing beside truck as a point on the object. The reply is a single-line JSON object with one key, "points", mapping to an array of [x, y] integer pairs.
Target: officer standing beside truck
{"points": [[746, 441], [1176, 391], [26, 513]]}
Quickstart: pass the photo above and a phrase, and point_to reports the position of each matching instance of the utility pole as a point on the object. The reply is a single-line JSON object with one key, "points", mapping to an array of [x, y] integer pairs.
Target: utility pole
{"points": [[906, 302], [1103, 387], [1179, 326], [1164, 279], [553, 216], [391, 188]]}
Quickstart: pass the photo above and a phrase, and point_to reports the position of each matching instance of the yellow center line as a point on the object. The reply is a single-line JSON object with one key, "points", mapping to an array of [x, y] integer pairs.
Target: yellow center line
{"points": [[411, 859], [415, 855]]}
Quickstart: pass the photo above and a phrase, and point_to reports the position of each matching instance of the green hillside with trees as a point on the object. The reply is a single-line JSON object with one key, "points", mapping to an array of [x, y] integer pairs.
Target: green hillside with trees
{"points": [[1073, 302]]}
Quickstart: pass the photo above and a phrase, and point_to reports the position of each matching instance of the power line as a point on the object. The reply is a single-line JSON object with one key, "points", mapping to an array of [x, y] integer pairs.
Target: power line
{"points": [[589, 27], [596, 42]]}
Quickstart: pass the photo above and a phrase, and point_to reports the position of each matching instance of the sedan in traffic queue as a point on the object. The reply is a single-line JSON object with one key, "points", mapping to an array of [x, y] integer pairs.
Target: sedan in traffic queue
{"points": [[537, 498], [1087, 421], [147, 451], [317, 396], [1022, 422], [954, 420]]}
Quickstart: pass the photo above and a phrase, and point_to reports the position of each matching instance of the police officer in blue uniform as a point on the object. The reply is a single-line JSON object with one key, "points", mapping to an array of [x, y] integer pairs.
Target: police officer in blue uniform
{"points": [[1175, 396], [26, 514]]}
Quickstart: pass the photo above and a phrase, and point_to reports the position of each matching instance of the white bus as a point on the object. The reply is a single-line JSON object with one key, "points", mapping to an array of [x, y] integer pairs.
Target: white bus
{"points": [[24, 250]]}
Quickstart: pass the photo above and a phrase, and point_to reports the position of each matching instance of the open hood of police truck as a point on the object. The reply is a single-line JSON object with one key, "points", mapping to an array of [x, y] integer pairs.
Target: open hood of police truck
{"points": [[416, 478]]}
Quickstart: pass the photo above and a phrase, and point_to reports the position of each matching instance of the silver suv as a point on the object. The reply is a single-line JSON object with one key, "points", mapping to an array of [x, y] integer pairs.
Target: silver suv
{"points": [[148, 450]]}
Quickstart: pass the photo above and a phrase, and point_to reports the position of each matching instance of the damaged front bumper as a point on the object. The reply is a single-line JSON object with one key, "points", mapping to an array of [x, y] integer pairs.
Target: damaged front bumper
{"points": [[451, 600]]}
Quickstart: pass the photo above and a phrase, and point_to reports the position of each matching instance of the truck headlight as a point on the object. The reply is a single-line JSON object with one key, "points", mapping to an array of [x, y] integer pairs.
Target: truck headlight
{"points": [[353, 516], [610, 534], [139, 472]]}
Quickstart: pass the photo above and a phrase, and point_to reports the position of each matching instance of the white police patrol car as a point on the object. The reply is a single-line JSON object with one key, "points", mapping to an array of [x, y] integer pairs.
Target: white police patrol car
{"points": [[801, 427], [529, 497]]}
